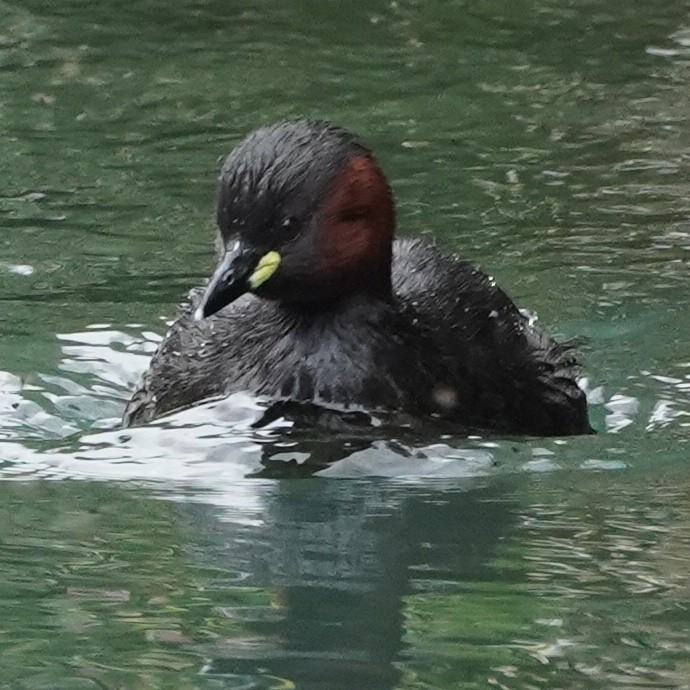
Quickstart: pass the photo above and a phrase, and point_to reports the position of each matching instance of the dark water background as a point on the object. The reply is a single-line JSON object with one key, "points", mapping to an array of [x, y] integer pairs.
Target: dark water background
{"points": [[549, 142]]}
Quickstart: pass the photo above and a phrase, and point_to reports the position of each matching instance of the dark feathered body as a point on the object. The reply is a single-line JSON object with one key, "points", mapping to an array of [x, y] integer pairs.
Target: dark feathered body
{"points": [[446, 341], [341, 316]]}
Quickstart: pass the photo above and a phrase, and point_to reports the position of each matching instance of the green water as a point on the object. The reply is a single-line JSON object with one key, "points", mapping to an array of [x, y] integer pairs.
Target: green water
{"points": [[549, 142]]}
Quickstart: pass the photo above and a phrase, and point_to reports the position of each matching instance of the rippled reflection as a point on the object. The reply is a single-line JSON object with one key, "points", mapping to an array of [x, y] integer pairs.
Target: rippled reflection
{"points": [[537, 583]]}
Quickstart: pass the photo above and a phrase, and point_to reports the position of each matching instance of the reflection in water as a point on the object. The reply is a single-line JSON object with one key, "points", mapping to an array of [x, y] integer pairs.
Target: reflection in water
{"points": [[340, 560], [571, 579]]}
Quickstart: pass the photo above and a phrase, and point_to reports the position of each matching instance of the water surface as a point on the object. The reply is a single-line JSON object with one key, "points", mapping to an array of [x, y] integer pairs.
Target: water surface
{"points": [[548, 143]]}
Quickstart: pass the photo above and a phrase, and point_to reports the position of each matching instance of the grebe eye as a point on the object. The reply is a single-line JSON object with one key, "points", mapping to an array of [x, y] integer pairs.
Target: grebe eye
{"points": [[289, 228]]}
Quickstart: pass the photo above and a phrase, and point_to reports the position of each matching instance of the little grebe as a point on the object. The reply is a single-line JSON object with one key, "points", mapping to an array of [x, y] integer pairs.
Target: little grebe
{"points": [[339, 314]]}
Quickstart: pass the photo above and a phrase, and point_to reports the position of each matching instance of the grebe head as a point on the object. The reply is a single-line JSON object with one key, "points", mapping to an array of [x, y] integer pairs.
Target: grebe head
{"points": [[305, 217]]}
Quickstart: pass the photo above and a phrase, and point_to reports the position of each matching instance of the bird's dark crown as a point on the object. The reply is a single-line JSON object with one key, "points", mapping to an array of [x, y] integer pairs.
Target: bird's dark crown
{"points": [[278, 172]]}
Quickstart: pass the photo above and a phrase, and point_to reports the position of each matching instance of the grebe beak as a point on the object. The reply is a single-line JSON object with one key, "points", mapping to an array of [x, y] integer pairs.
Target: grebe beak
{"points": [[230, 281], [240, 270]]}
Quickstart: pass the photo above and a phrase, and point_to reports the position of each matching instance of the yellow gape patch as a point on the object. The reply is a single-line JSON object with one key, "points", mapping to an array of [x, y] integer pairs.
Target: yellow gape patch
{"points": [[267, 266]]}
